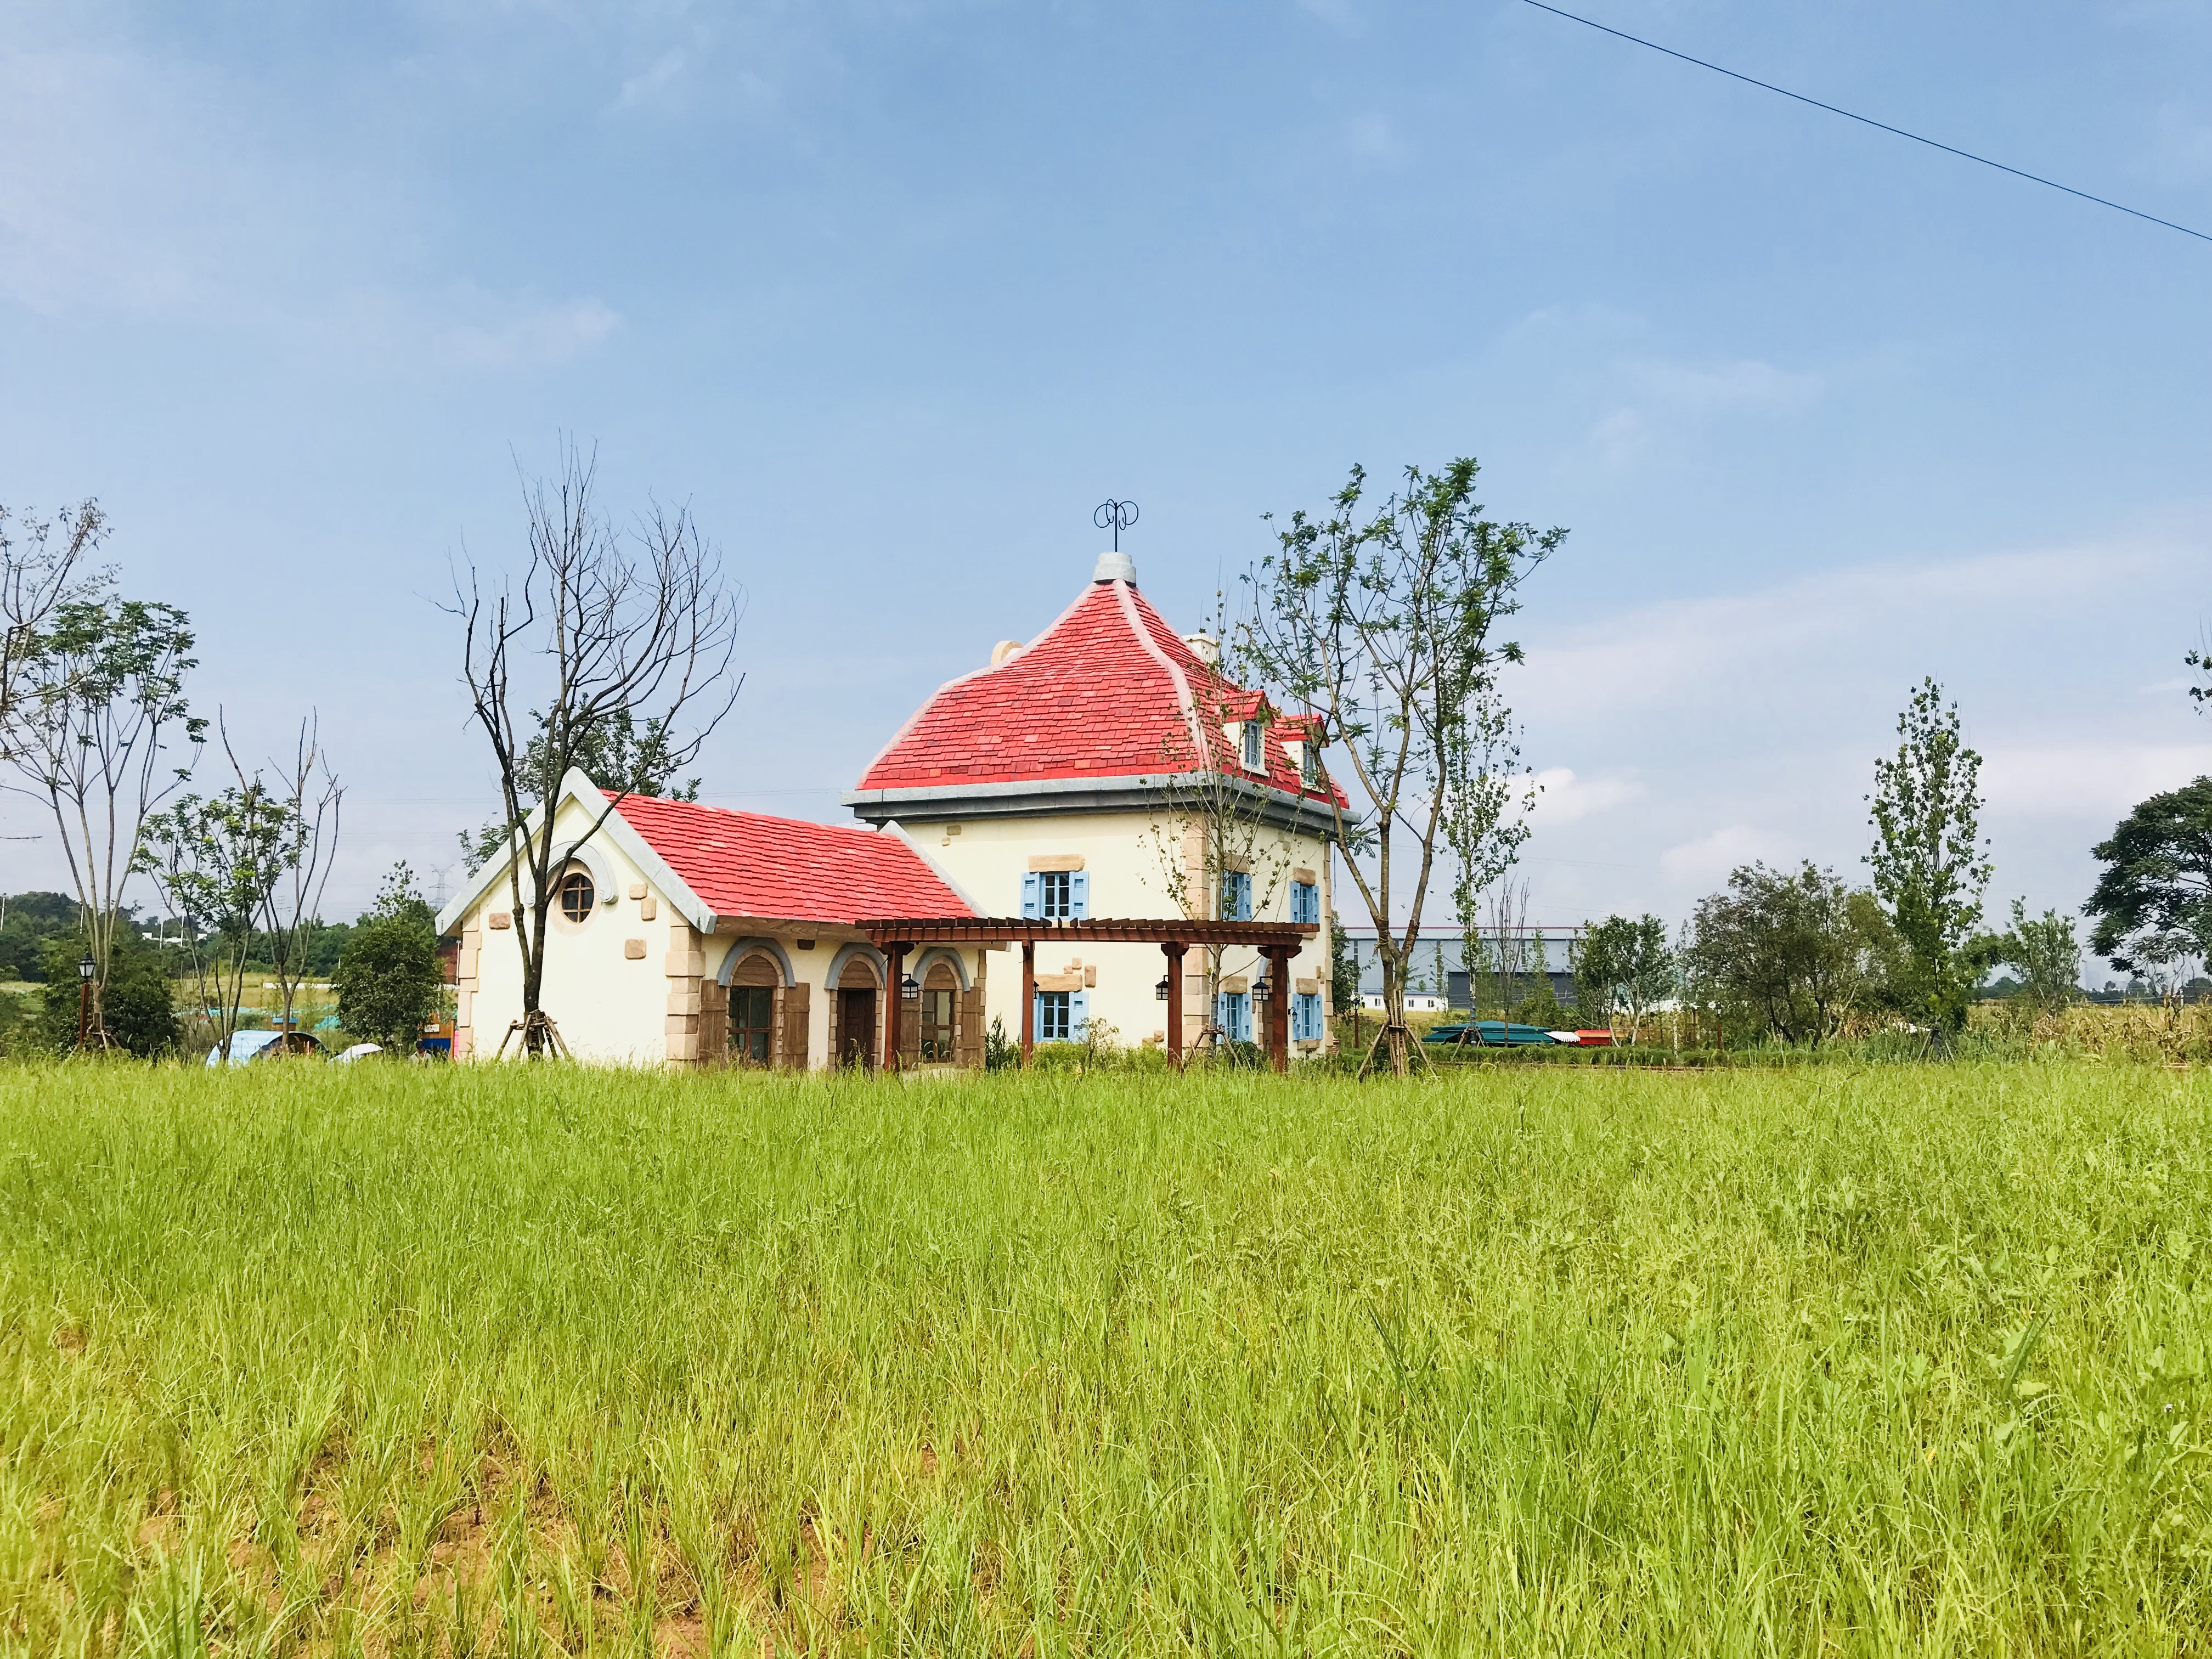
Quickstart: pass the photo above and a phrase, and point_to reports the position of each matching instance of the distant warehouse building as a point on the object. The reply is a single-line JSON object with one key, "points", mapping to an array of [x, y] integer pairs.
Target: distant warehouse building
{"points": [[1439, 976]]}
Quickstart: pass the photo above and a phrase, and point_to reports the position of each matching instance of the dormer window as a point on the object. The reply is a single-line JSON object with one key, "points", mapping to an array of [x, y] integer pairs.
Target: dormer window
{"points": [[1255, 757]]}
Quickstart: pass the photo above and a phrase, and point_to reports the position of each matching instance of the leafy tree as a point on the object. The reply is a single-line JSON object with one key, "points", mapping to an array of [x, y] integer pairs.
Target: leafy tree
{"points": [[1630, 965], [1793, 955], [2154, 900], [390, 983], [98, 700], [27, 920], [140, 1007], [215, 861], [1381, 626], [1928, 860], [41, 569], [2045, 951]]}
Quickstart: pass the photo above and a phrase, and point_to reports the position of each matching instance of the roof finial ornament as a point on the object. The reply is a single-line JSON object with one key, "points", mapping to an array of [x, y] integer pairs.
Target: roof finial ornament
{"points": [[1116, 516], [1116, 566]]}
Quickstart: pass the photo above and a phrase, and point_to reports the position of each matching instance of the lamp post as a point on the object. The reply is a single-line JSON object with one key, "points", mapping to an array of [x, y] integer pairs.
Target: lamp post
{"points": [[85, 970]]}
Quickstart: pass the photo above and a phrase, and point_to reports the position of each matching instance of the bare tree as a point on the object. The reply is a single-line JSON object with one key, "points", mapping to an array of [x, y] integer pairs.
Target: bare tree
{"points": [[308, 796], [100, 694], [590, 634], [1382, 627]]}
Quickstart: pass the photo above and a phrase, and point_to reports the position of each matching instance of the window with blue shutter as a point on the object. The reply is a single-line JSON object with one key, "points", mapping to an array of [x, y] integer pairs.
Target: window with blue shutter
{"points": [[1236, 895], [1052, 1013], [1305, 1017], [1078, 895], [1232, 1012], [1306, 902], [1032, 896]]}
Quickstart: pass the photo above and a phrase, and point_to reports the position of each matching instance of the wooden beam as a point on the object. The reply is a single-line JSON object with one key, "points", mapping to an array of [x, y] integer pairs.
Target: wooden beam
{"points": [[885, 931]]}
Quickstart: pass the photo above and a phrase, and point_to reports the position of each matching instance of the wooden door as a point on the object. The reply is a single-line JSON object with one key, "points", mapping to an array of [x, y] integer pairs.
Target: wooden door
{"points": [[856, 1027]]}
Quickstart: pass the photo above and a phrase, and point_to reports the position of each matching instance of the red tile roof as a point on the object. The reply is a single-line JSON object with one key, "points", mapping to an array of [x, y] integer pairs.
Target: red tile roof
{"points": [[1109, 691], [746, 863]]}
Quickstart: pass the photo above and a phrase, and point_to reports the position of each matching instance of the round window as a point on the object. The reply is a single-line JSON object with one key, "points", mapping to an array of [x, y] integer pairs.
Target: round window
{"points": [[577, 896]]}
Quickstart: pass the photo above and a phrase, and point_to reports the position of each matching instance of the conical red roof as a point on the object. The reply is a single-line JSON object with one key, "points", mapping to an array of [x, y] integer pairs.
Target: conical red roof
{"points": [[1109, 690]]}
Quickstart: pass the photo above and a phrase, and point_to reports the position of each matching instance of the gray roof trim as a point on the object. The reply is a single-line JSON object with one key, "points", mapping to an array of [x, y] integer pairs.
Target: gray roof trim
{"points": [[1054, 797]]}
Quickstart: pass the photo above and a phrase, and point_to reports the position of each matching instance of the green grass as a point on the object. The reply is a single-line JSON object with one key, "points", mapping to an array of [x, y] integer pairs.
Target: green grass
{"points": [[418, 1361]]}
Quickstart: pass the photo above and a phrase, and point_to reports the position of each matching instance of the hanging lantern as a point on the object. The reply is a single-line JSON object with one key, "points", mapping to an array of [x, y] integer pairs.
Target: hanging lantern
{"points": [[910, 989], [1160, 991]]}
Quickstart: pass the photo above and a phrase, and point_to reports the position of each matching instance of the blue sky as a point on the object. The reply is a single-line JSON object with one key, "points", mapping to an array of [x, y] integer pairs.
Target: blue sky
{"points": [[894, 294]]}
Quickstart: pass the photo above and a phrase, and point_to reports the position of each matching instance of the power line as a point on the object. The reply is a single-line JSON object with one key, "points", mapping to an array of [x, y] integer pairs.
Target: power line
{"points": [[1867, 120]]}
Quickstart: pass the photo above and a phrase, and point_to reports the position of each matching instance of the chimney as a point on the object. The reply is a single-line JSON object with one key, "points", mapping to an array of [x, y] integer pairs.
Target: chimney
{"points": [[1205, 647]]}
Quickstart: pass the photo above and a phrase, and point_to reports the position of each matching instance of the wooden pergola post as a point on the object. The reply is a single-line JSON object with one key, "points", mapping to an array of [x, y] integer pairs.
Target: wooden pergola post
{"points": [[1028, 999], [1277, 941], [1279, 1008], [1173, 951], [894, 1008]]}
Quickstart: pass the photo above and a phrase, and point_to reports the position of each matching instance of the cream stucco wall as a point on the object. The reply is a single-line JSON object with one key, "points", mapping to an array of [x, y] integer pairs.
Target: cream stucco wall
{"points": [[607, 1005], [625, 987], [987, 857]]}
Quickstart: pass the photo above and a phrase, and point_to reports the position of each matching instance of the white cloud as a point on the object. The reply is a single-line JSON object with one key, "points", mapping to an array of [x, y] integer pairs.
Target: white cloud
{"points": [[2096, 781], [532, 335], [2182, 151], [656, 85], [1834, 628], [1707, 860], [1665, 396], [1374, 137], [123, 186], [1340, 15], [1565, 798]]}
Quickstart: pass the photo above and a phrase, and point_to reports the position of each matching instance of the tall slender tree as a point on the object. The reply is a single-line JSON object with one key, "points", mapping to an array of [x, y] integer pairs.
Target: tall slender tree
{"points": [[1381, 624], [98, 708], [1930, 862]]}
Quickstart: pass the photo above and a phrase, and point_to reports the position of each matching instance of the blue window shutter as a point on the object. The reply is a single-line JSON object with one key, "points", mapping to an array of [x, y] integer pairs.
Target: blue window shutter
{"points": [[1032, 905], [1243, 911], [1221, 1012], [1078, 1014], [1078, 895]]}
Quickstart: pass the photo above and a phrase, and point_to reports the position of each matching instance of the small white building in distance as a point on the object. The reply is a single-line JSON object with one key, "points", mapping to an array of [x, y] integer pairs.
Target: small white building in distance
{"points": [[1039, 788]]}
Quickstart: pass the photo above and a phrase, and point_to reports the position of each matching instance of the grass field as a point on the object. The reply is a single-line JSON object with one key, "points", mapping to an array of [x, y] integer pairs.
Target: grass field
{"points": [[400, 1360]]}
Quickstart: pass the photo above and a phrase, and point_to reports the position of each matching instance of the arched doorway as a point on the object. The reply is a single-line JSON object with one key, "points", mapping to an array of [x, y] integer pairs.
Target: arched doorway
{"points": [[857, 994]]}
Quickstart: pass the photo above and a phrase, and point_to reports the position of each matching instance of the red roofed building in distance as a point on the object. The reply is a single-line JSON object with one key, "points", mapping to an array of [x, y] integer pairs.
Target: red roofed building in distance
{"points": [[1065, 779]]}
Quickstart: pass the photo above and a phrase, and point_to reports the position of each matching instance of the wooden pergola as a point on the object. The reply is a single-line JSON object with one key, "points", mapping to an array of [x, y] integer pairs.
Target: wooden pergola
{"points": [[1278, 941]]}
